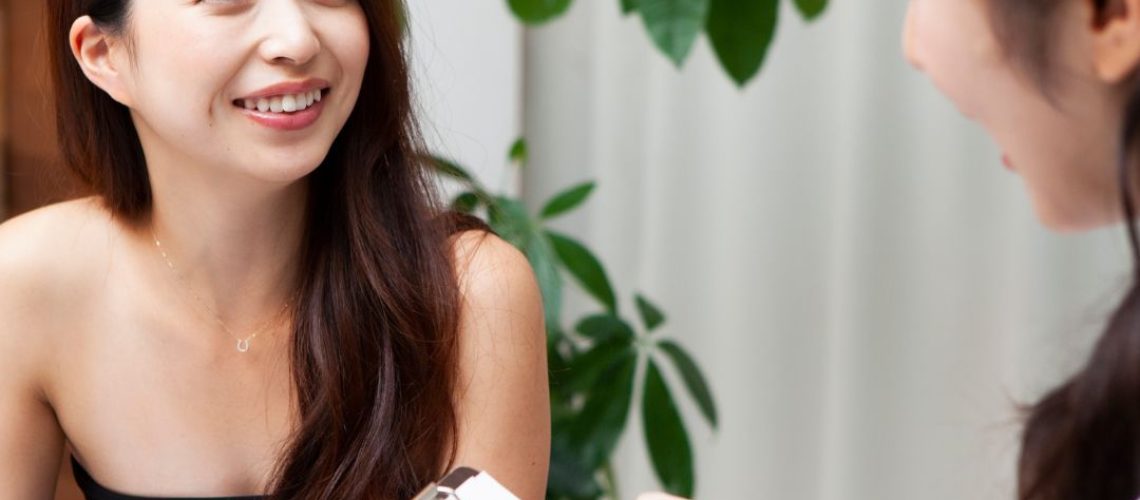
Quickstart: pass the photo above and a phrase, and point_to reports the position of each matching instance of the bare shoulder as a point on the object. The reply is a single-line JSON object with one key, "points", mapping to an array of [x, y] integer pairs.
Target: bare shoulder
{"points": [[45, 259], [47, 249], [491, 270], [501, 299], [501, 314], [503, 397], [53, 223]]}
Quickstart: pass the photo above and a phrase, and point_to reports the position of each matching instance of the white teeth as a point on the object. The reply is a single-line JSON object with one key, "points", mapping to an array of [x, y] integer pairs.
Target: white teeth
{"points": [[291, 103], [302, 102]]}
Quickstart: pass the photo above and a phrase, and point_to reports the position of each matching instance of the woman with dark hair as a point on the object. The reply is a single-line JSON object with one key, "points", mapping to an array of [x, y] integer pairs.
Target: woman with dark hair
{"points": [[1055, 83], [261, 294]]}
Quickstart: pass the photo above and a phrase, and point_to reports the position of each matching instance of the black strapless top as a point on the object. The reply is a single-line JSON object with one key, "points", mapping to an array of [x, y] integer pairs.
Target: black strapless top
{"points": [[94, 491]]}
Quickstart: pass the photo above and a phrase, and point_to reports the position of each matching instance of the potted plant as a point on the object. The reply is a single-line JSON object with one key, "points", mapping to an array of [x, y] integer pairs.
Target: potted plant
{"points": [[597, 363]]}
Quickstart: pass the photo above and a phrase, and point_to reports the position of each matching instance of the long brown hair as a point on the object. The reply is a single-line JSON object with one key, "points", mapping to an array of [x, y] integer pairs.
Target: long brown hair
{"points": [[374, 338], [1082, 439]]}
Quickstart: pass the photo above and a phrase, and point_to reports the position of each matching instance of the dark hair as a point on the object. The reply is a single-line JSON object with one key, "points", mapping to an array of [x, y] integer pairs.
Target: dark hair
{"points": [[374, 349], [1082, 439]]}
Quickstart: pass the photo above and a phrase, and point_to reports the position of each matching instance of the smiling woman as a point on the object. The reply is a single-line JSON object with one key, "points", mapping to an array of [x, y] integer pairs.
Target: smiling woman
{"points": [[1061, 98], [261, 296]]}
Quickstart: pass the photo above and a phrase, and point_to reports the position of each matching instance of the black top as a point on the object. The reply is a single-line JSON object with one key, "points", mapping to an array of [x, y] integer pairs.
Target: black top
{"points": [[94, 491]]}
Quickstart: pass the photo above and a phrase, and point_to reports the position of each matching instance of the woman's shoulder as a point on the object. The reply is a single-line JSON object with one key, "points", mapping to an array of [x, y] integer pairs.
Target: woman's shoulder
{"points": [[47, 253], [58, 228], [485, 262], [497, 286]]}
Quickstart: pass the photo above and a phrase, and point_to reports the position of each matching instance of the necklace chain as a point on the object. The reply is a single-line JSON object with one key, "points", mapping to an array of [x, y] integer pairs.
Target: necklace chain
{"points": [[243, 343]]}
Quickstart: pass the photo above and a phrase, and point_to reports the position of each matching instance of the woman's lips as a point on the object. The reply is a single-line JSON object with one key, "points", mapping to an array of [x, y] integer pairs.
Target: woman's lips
{"points": [[1007, 162]]}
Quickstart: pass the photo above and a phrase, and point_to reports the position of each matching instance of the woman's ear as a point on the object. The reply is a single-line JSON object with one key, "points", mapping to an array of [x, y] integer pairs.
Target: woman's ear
{"points": [[1116, 39], [101, 58]]}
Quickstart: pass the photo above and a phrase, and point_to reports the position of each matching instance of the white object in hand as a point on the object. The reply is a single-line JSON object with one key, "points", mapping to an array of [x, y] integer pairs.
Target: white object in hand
{"points": [[483, 487], [465, 483]]}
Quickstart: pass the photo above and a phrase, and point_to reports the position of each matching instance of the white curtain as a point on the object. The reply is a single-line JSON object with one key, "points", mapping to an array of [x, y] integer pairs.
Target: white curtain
{"points": [[467, 65], [865, 286]]}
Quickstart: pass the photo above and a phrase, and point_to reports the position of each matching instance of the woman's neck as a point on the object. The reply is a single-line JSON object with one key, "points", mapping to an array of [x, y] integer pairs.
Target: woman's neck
{"points": [[234, 245]]}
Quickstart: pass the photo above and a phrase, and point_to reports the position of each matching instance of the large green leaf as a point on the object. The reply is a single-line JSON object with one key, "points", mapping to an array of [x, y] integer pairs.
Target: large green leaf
{"points": [[741, 32], [568, 200], [694, 380], [538, 11], [605, 328], [628, 6], [674, 24], [508, 218], [558, 368], [665, 434], [451, 169], [587, 368], [651, 315], [466, 202], [603, 418], [519, 152], [811, 9], [542, 259], [584, 267], [569, 478]]}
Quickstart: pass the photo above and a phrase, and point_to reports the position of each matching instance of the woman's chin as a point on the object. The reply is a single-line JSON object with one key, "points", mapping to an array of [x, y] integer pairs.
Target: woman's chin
{"points": [[1058, 219], [283, 170]]}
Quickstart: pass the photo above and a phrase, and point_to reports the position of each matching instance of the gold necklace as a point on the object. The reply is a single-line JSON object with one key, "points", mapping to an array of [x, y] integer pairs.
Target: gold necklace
{"points": [[243, 344]]}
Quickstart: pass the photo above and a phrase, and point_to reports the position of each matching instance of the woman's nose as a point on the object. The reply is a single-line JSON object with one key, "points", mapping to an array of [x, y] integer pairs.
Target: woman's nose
{"points": [[909, 40], [289, 35]]}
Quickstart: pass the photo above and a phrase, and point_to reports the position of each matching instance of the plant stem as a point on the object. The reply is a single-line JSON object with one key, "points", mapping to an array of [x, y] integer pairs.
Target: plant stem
{"points": [[611, 481]]}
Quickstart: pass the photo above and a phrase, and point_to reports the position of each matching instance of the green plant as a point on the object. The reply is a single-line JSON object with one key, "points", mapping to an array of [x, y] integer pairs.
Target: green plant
{"points": [[594, 367], [740, 31]]}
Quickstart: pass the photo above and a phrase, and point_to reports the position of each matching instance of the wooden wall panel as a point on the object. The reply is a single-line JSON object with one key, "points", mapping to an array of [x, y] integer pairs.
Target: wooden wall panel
{"points": [[35, 176], [5, 70]]}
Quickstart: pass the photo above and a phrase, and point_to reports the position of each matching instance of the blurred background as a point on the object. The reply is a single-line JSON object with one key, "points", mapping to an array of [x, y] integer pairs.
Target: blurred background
{"points": [[865, 288]]}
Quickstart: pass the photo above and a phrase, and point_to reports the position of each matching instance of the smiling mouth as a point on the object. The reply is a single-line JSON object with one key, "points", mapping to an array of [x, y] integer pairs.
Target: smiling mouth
{"points": [[283, 104]]}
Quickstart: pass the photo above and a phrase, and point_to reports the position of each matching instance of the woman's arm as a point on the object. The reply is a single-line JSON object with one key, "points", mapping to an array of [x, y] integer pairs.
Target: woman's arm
{"points": [[31, 442], [503, 400]]}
